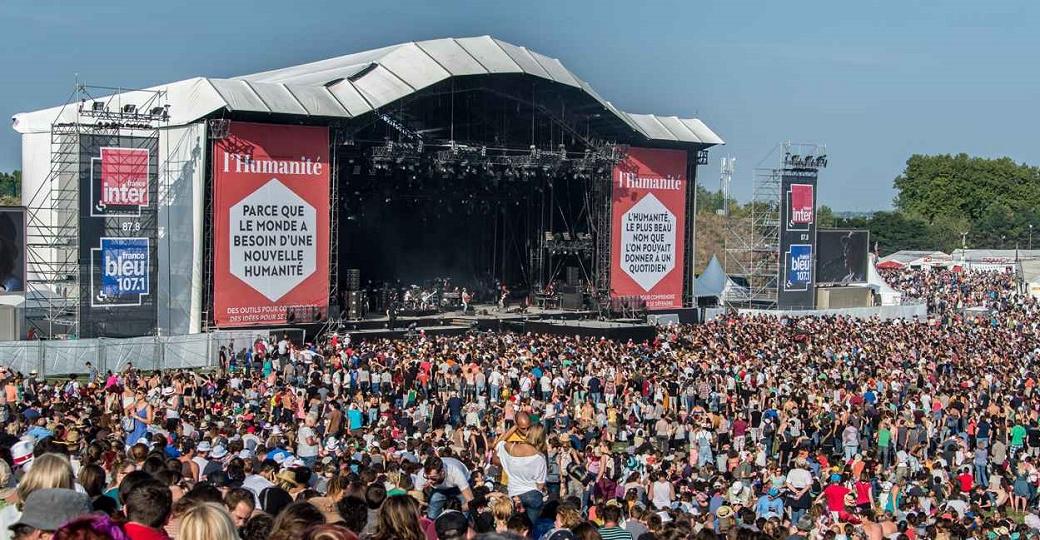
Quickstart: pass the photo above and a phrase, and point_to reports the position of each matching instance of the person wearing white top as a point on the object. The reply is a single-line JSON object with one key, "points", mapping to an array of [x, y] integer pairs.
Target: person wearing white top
{"points": [[524, 464], [447, 477]]}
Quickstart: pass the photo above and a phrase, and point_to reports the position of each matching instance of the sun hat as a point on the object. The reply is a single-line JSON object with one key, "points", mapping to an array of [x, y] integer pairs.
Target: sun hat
{"points": [[22, 453], [724, 512], [49, 509]]}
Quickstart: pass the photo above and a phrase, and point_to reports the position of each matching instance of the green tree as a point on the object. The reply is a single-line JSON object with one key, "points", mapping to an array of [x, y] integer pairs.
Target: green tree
{"points": [[10, 188], [965, 187], [825, 217]]}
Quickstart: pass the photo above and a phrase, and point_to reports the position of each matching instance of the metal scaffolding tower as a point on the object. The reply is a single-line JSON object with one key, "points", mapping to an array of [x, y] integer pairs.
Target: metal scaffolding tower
{"points": [[752, 244], [53, 255]]}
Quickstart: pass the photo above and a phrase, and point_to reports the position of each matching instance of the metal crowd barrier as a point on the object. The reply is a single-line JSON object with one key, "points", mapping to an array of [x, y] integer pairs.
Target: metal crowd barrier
{"points": [[64, 357]]}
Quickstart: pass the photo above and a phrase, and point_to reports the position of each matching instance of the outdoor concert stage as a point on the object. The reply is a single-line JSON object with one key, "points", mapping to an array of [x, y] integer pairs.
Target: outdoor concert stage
{"points": [[488, 317], [443, 168]]}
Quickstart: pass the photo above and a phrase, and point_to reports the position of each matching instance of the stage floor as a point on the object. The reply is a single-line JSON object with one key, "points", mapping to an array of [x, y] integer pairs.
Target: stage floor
{"points": [[482, 317]]}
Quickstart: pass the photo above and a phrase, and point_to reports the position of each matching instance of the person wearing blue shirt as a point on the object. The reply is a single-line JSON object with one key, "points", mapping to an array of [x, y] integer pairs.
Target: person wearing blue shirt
{"points": [[354, 417], [770, 505]]}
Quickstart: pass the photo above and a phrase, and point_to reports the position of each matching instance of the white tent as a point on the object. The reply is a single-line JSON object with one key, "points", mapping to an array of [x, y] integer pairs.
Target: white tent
{"points": [[889, 296], [993, 260], [915, 259], [714, 283]]}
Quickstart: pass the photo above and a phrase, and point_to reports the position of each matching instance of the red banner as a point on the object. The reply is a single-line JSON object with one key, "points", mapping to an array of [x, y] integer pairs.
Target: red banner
{"points": [[649, 205], [271, 224]]}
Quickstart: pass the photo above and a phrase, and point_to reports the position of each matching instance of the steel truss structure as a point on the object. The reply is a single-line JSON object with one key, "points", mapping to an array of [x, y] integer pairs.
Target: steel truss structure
{"points": [[53, 255], [752, 243]]}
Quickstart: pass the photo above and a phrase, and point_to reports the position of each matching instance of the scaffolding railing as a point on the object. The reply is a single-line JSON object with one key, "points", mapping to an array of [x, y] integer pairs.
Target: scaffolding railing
{"points": [[53, 258]]}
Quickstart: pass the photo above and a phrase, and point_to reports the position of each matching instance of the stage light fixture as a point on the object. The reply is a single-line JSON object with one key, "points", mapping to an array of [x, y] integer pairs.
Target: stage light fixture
{"points": [[129, 108], [97, 106]]}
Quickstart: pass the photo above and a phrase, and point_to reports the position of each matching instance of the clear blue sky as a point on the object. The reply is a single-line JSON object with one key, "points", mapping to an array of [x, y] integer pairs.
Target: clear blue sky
{"points": [[875, 81]]}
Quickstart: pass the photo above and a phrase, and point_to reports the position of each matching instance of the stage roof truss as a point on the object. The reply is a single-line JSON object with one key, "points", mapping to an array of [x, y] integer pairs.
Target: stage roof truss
{"points": [[353, 85]]}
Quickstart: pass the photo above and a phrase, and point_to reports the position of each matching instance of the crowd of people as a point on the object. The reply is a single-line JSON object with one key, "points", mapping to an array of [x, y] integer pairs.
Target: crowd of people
{"points": [[741, 427]]}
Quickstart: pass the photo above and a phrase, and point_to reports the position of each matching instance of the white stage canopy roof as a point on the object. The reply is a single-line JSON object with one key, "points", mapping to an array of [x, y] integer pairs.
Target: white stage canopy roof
{"points": [[355, 84]]}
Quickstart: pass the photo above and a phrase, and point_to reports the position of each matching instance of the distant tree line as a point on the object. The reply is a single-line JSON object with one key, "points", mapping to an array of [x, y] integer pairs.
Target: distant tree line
{"points": [[940, 197]]}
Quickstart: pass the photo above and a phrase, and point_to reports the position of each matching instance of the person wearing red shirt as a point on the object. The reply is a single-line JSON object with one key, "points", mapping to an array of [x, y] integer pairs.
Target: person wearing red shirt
{"points": [[965, 481], [835, 494], [148, 507], [864, 495]]}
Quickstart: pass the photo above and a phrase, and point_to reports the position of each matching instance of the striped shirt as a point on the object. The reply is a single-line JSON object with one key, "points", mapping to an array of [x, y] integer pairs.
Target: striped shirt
{"points": [[614, 533]]}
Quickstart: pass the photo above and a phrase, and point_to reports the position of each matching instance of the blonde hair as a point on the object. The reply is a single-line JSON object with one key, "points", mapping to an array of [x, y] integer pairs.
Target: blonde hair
{"points": [[207, 521], [536, 437], [47, 471], [568, 516], [501, 507]]}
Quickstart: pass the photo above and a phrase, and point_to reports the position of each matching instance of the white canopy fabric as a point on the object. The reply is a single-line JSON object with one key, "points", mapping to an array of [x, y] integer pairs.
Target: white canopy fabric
{"points": [[889, 296], [713, 282], [355, 84], [911, 257]]}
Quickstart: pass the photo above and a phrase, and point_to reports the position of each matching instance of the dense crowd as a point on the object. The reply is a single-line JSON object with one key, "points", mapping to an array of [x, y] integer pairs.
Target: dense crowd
{"points": [[742, 427]]}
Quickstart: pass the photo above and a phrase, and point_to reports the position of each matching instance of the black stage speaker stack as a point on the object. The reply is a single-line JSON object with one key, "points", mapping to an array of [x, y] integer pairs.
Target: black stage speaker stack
{"points": [[353, 279], [355, 305], [571, 297]]}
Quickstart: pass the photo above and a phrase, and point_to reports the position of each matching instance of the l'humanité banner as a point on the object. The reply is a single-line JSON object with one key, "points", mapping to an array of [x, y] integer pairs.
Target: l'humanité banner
{"points": [[271, 224], [648, 207]]}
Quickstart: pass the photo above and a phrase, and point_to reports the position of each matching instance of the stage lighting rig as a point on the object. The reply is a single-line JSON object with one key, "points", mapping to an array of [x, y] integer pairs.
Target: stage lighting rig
{"points": [[804, 157]]}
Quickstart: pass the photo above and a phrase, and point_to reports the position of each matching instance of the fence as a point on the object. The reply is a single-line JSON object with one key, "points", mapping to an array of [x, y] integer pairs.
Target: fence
{"points": [[51, 358], [905, 311]]}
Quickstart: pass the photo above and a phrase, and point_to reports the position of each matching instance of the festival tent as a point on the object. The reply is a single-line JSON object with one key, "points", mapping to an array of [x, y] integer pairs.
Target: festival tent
{"points": [[889, 296], [1031, 276], [714, 283], [993, 260], [914, 259]]}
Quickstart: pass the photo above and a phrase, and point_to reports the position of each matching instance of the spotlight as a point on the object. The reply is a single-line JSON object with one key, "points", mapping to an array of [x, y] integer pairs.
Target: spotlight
{"points": [[129, 108], [97, 106]]}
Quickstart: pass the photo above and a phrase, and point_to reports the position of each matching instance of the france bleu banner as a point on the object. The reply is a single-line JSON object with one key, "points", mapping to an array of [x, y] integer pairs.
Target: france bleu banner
{"points": [[798, 266], [124, 267]]}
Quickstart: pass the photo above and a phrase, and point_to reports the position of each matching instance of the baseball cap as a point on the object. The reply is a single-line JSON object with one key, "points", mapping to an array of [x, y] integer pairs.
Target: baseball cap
{"points": [[451, 523], [560, 534], [49, 509]]}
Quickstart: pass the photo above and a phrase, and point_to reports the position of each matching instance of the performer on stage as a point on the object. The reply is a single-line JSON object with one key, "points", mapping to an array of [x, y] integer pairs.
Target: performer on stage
{"points": [[466, 297], [503, 295]]}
